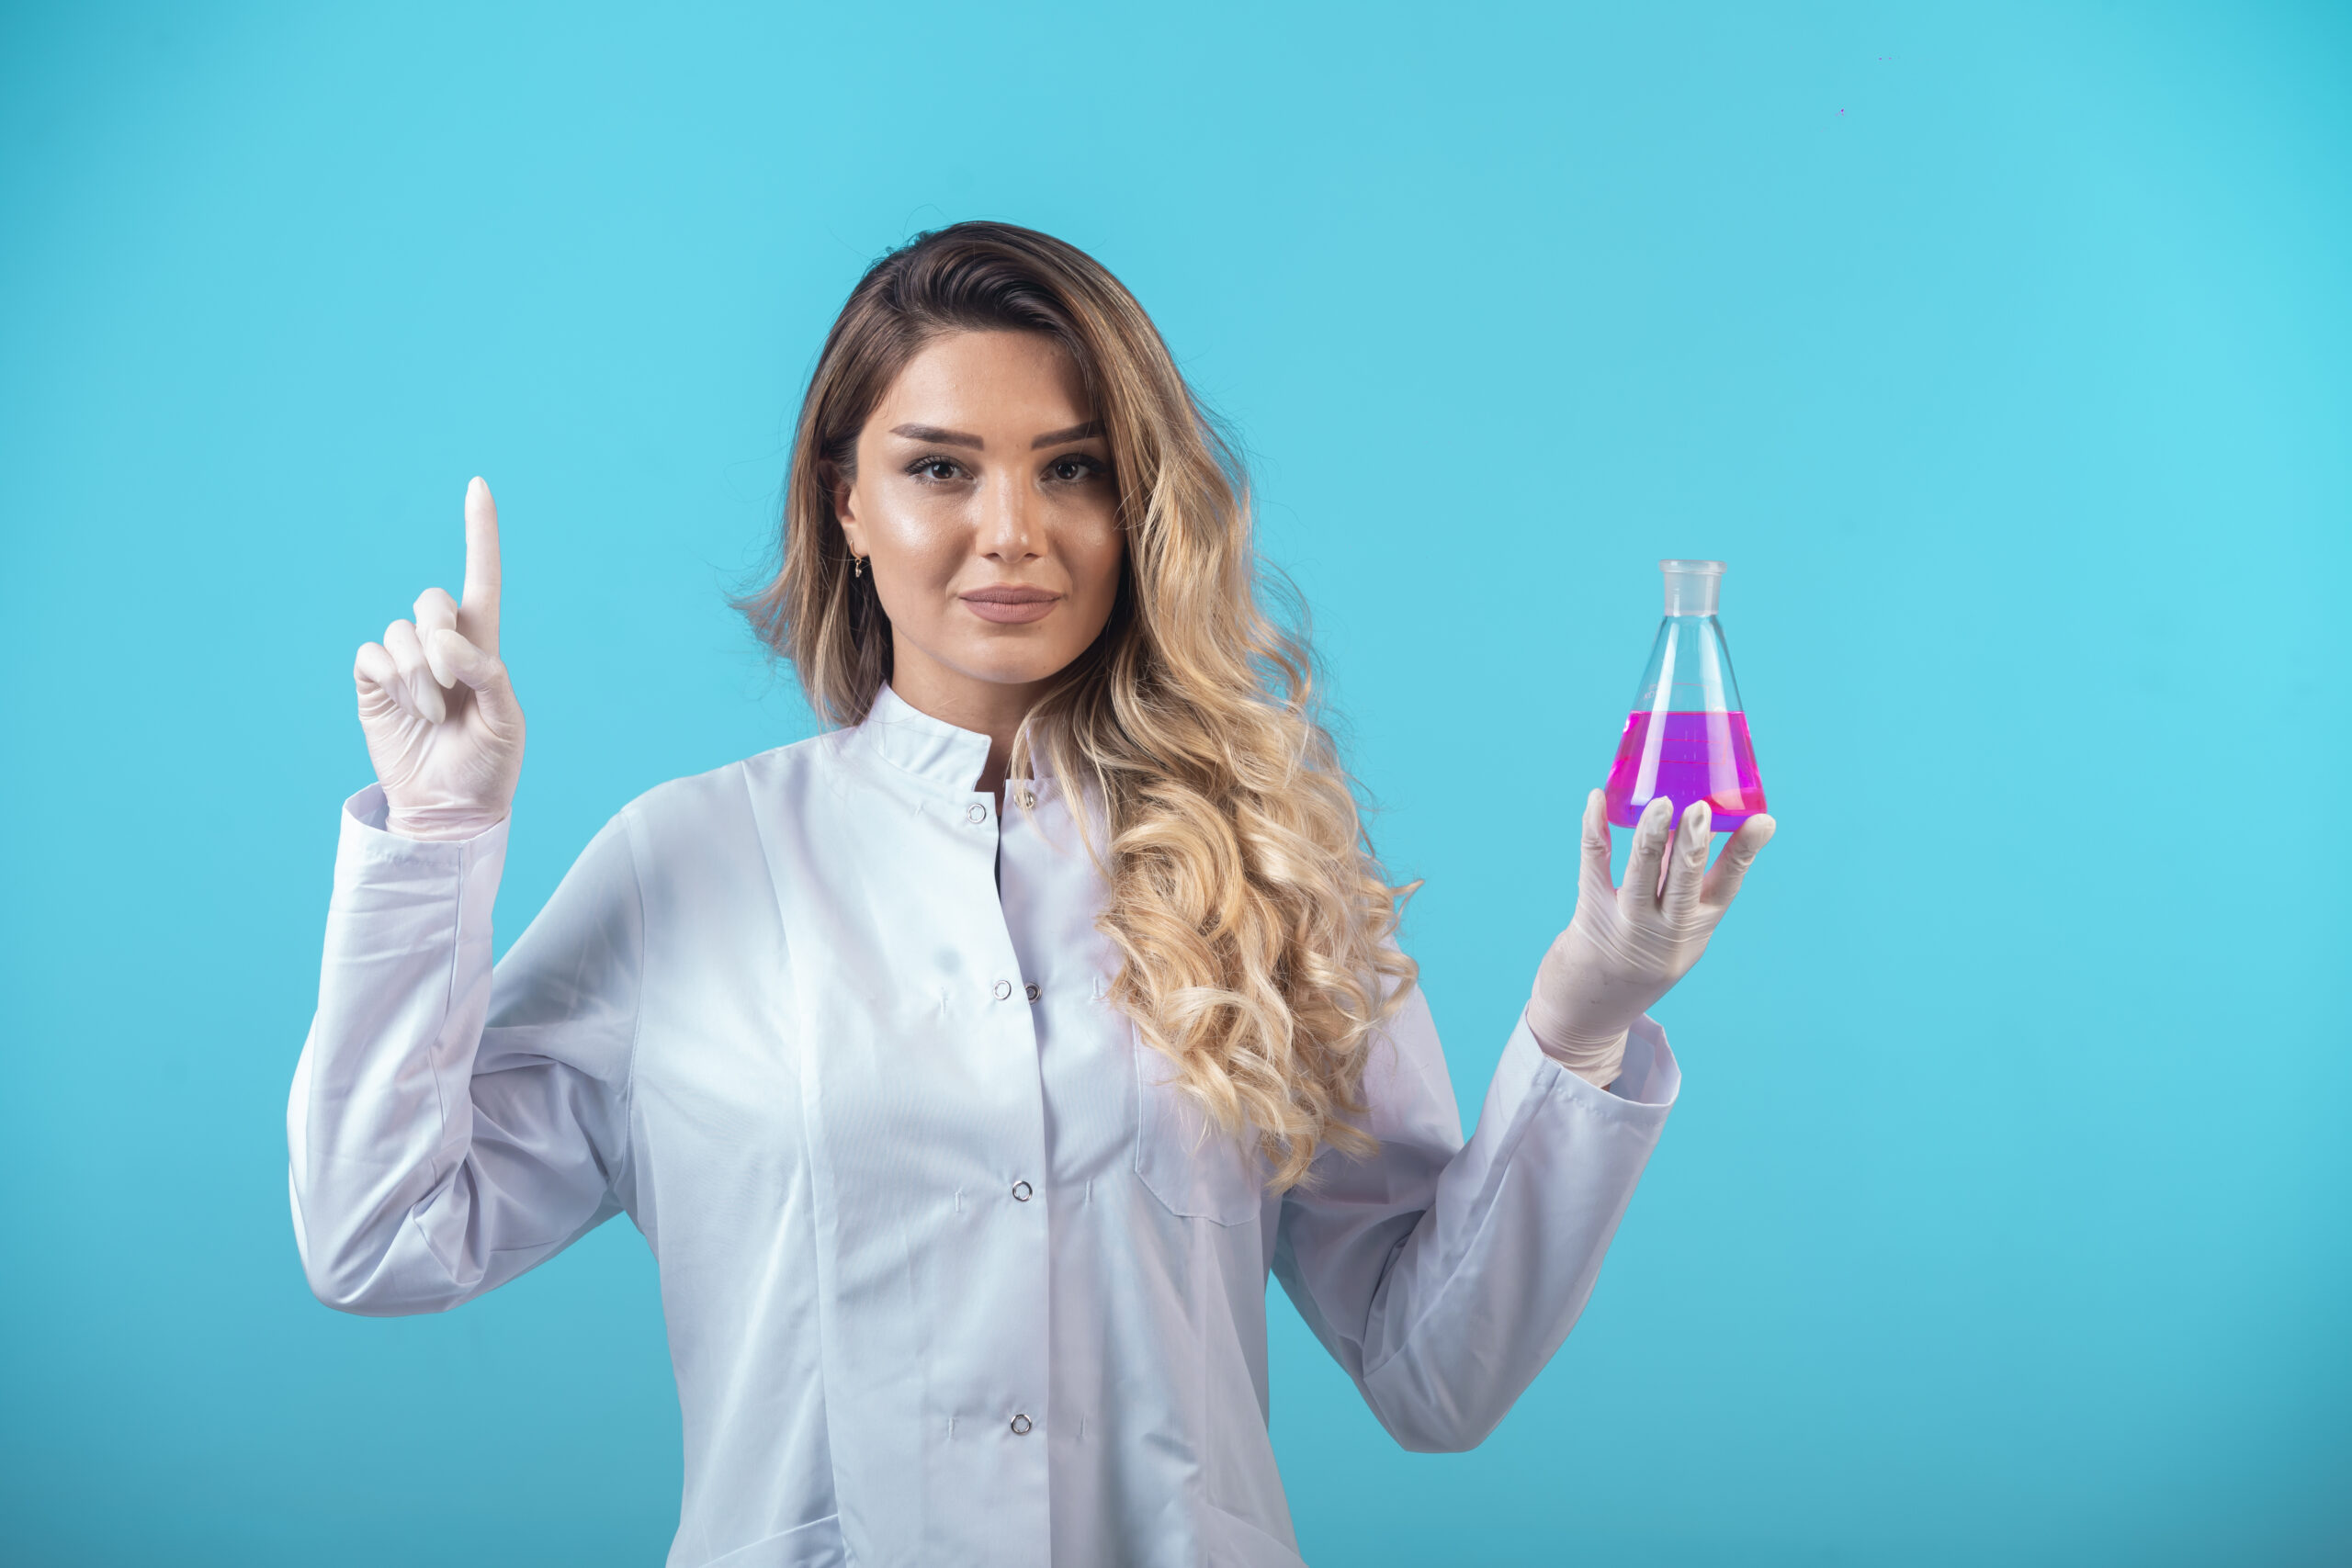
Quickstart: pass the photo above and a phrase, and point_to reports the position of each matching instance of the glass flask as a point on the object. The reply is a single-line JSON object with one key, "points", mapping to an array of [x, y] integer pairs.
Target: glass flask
{"points": [[1687, 737]]}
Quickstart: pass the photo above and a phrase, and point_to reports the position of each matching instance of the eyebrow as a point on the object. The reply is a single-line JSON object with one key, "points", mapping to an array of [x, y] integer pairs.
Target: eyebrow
{"points": [[944, 437], [1087, 432]]}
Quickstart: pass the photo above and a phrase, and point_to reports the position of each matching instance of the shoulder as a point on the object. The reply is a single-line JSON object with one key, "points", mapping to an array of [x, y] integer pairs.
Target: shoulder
{"points": [[722, 803]]}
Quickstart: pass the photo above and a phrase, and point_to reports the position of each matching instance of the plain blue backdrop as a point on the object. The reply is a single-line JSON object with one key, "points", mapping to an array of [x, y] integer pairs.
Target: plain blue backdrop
{"points": [[2004, 351]]}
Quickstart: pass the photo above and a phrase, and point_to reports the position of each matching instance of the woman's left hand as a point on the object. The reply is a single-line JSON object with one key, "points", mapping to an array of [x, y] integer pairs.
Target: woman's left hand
{"points": [[1629, 945]]}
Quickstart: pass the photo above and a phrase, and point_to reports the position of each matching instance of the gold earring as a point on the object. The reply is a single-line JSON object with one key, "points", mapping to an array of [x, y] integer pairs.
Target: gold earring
{"points": [[859, 570]]}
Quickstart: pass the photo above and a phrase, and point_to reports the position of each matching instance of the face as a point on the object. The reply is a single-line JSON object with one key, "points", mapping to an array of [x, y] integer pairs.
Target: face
{"points": [[986, 507]]}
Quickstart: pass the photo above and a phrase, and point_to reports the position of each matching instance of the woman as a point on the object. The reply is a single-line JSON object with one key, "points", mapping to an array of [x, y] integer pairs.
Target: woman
{"points": [[969, 1067]]}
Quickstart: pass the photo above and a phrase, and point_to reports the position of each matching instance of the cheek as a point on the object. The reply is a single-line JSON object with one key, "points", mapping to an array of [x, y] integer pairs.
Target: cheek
{"points": [[912, 541], [1096, 570]]}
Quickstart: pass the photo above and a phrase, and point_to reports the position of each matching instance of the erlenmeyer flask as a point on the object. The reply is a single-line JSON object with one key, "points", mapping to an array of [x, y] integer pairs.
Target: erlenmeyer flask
{"points": [[1687, 737]]}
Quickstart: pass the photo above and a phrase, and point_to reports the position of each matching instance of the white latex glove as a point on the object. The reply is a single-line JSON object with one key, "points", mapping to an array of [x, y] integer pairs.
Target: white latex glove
{"points": [[443, 727], [1627, 946]]}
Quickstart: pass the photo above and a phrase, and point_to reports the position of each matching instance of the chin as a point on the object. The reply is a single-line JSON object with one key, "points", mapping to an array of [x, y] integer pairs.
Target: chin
{"points": [[1018, 673], [1015, 662]]}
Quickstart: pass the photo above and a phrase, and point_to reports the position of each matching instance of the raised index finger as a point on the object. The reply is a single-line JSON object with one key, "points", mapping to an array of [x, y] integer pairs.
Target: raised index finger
{"points": [[477, 610]]}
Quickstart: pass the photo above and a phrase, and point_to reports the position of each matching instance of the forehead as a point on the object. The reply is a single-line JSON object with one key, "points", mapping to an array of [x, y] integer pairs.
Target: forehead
{"points": [[964, 379]]}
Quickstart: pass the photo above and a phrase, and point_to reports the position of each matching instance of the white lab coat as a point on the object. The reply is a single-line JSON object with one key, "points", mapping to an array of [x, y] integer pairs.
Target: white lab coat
{"points": [[949, 1277]]}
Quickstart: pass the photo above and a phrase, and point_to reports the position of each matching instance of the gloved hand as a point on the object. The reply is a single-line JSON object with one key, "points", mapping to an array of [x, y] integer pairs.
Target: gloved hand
{"points": [[443, 727], [1627, 946]]}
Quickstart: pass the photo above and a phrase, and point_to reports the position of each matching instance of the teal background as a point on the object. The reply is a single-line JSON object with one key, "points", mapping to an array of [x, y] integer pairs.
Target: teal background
{"points": [[2004, 351]]}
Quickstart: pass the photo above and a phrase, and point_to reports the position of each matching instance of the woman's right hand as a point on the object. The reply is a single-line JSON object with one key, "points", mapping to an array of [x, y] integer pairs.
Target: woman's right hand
{"points": [[443, 727]]}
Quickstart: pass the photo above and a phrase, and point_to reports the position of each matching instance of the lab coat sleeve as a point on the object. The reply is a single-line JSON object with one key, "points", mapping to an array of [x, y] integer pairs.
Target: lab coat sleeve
{"points": [[451, 1126], [1442, 1276]]}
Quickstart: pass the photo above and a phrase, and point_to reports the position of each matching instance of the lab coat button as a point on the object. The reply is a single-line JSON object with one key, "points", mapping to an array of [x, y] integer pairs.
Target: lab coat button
{"points": [[976, 812], [1021, 1190], [1033, 992], [1028, 798], [1021, 1426], [1003, 990]]}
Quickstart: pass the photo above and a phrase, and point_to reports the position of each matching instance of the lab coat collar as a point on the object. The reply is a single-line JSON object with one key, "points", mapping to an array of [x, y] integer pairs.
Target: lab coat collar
{"points": [[912, 740], [933, 750]]}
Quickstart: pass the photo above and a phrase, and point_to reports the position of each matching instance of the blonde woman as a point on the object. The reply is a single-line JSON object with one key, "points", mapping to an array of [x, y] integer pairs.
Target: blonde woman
{"points": [[968, 1068]]}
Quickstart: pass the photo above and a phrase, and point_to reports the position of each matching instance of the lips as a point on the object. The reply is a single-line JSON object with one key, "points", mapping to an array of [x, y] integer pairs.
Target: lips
{"points": [[1011, 604]]}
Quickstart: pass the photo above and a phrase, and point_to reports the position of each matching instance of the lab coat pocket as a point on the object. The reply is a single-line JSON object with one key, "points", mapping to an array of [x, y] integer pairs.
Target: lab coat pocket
{"points": [[817, 1544], [1196, 1170]]}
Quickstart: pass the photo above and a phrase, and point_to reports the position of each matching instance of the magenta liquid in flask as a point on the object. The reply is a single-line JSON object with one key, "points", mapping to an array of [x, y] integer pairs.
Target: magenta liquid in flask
{"points": [[1687, 737]]}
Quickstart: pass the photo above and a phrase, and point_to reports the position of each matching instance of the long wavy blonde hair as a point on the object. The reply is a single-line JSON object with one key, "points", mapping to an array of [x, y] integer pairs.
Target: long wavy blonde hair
{"points": [[1254, 925]]}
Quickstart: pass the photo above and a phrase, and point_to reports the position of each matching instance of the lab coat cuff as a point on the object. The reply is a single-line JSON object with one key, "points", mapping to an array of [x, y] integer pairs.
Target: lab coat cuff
{"points": [[384, 862], [1647, 1083]]}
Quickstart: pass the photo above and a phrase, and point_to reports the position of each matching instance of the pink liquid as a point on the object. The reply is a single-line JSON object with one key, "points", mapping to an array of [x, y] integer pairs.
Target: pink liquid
{"points": [[1691, 756]]}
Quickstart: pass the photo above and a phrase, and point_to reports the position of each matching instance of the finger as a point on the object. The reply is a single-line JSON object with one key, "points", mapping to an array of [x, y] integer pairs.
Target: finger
{"points": [[435, 612], [379, 684], [478, 611], [1642, 861], [1731, 867], [408, 653], [484, 675], [1686, 866], [1592, 858]]}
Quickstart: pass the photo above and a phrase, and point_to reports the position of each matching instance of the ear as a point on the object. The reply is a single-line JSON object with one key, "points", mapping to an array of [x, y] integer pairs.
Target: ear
{"points": [[851, 529]]}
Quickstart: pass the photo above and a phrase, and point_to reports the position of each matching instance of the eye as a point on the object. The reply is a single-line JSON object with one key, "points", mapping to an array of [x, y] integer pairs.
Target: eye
{"points": [[936, 469], [1072, 468]]}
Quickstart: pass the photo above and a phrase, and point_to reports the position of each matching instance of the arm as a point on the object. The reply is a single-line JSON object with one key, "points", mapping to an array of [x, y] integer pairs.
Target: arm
{"points": [[1442, 1276], [450, 1127]]}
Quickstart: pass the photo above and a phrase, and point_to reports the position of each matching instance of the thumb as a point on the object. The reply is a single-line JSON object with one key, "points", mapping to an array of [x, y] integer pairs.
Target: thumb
{"points": [[1731, 867], [484, 674]]}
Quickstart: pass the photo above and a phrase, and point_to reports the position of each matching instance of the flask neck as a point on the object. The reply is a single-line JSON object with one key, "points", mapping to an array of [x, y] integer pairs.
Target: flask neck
{"points": [[1692, 586]]}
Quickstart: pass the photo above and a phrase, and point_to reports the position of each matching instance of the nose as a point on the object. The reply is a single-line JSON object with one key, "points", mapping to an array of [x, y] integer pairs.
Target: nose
{"points": [[1010, 531]]}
